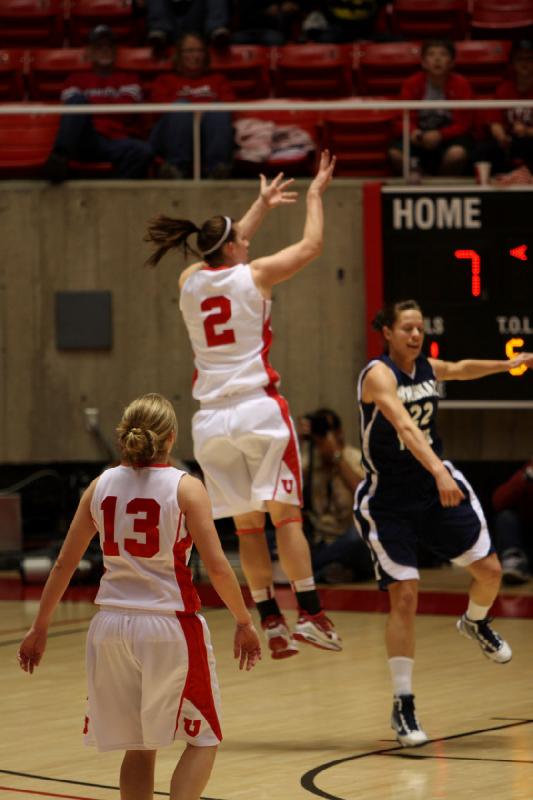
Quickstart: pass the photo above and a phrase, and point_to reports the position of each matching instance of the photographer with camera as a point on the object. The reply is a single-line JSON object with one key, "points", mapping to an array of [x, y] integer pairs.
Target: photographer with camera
{"points": [[331, 471]]}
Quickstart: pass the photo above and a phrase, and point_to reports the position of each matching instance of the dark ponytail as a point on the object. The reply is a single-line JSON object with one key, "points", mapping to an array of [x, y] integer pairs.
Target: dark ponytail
{"points": [[387, 316], [167, 233]]}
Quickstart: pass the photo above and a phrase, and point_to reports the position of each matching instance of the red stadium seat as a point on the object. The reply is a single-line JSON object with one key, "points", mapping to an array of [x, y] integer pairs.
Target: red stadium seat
{"points": [[27, 23], [382, 68], [483, 63], [85, 14], [295, 163], [247, 66], [25, 143], [502, 18], [360, 140], [12, 68], [140, 61], [48, 70], [427, 19], [313, 70]]}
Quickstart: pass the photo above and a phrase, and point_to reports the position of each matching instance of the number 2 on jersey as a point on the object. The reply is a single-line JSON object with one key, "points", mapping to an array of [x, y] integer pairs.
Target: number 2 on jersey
{"points": [[149, 525], [221, 308]]}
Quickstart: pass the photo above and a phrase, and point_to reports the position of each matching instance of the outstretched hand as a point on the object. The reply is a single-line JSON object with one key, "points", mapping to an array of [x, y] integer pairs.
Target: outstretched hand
{"points": [[521, 360], [31, 649], [324, 174], [273, 194], [246, 646]]}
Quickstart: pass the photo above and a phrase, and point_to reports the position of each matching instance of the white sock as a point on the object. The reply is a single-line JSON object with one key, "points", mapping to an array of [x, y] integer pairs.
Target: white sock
{"points": [[304, 585], [260, 595], [475, 612], [401, 670]]}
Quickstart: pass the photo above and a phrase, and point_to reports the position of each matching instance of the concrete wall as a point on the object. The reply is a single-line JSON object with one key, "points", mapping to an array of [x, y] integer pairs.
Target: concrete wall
{"points": [[88, 235]]}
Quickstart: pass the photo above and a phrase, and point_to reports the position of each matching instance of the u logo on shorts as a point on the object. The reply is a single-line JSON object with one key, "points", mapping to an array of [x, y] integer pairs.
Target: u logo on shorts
{"points": [[287, 485], [192, 726]]}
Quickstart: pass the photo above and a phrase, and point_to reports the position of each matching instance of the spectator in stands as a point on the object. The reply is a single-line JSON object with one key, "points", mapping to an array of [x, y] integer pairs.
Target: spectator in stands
{"points": [[267, 22], [511, 130], [440, 139], [172, 136], [342, 20], [513, 525], [331, 472], [103, 137], [169, 20]]}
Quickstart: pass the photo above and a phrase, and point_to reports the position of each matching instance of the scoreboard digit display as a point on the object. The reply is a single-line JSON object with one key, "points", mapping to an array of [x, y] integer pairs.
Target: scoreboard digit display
{"points": [[466, 255]]}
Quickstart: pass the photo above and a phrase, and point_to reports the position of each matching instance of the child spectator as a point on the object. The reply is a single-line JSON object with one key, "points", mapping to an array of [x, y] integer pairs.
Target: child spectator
{"points": [[440, 138]]}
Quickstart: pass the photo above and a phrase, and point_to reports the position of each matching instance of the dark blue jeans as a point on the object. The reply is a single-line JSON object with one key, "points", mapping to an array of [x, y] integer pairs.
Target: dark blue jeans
{"points": [[172, 139], [510, 533], [177, 18], [348, 549], [78, 139]]}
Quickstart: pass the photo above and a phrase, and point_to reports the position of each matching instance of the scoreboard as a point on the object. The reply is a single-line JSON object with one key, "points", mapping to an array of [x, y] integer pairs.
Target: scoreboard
{"points": [[466, 256]]}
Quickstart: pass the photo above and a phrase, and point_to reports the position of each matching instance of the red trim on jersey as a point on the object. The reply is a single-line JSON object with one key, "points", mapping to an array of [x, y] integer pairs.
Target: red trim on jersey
{"points": [[290, 456], [373, 255], [273, 376], [160, 466], [191, 601], [194, 376], [244, 531], [207, 268], [197, 687]]}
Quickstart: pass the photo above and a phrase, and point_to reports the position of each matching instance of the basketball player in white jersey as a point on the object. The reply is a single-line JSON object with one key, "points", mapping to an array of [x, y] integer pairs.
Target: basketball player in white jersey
{"points": [[150, 664], [244, 438]]}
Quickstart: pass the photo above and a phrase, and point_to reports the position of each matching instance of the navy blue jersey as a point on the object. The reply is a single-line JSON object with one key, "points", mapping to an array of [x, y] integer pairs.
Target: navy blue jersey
{"points": [[384, 454]]}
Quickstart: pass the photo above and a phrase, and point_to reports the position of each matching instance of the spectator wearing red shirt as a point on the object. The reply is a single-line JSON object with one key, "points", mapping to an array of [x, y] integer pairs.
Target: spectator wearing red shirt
{"points": [[172, 135], [511, 130], [513, 525], [103, 137], [440, 138]]}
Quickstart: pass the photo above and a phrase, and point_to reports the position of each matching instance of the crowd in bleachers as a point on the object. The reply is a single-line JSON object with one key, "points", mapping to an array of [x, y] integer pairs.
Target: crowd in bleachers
{"points": [[314, 49]]}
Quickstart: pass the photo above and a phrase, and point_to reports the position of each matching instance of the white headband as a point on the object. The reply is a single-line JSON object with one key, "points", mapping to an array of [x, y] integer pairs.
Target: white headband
{"points": [[221, 240]]}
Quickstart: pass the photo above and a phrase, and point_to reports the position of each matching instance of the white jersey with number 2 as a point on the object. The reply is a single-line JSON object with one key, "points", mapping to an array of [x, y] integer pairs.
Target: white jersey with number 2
{"points": [[228, 321]]}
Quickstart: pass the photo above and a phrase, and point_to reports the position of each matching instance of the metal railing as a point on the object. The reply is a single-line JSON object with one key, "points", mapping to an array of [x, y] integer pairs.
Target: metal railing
{"points": [[197, 109]]}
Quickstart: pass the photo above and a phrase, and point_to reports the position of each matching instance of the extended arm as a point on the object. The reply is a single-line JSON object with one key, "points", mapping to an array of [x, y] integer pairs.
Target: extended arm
{"points": [[271, 195], [380, 388], [194, 502], [470, 369], [80, 533], [276, 268]]}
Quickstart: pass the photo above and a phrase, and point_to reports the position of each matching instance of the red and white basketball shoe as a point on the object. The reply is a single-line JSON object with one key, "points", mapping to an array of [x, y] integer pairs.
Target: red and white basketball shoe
{"points": [[318, 630], [279, 638]]}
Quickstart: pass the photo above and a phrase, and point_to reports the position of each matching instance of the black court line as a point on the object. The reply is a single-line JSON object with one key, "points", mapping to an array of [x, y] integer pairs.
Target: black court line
{"points": [[307, 780], [52, 635], [80, 783]]}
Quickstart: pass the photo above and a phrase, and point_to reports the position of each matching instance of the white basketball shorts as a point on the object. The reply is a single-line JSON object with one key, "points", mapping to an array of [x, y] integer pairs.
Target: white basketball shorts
{"points": [[248, 451], [151, 680]]}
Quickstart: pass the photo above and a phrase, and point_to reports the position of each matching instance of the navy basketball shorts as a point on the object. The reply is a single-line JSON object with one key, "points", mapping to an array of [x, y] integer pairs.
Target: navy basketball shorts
{"points": [[393, 530]]}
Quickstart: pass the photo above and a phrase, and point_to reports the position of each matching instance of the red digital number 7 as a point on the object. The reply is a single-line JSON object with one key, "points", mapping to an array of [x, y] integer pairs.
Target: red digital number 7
{"points": [[149, 525], [222, 313]]}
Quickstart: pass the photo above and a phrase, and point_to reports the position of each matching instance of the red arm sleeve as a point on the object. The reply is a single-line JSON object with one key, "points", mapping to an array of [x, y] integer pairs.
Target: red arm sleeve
{"points": [[511, 492]]}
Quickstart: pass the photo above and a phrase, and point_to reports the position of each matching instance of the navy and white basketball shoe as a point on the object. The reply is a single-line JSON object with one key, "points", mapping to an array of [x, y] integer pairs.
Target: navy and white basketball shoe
{"points": [[492, 645], [404, 721]]}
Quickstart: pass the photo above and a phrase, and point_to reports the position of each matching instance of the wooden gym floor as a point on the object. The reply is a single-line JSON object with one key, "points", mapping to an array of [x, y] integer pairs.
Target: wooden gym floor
{"points": [[316, 725]]}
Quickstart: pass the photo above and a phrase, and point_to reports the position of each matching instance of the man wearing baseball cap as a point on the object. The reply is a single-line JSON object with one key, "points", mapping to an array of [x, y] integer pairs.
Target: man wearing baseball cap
{"points": [[100, 137]]}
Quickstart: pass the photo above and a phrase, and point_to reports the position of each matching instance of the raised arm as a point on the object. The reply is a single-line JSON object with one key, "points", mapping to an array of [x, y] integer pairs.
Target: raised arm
{"points": [[271, 195], [380, 388], [284, 264], [80, 533], [470, 369], [194, 502]]}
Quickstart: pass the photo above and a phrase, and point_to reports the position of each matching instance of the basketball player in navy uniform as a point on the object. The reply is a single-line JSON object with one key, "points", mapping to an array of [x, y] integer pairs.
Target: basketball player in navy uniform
{"points": [[409, 493]]}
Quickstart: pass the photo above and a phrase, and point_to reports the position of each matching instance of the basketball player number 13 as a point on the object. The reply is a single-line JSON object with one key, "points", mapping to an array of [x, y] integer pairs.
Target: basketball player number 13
{"points": [[148, 524], [220, 307]]}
